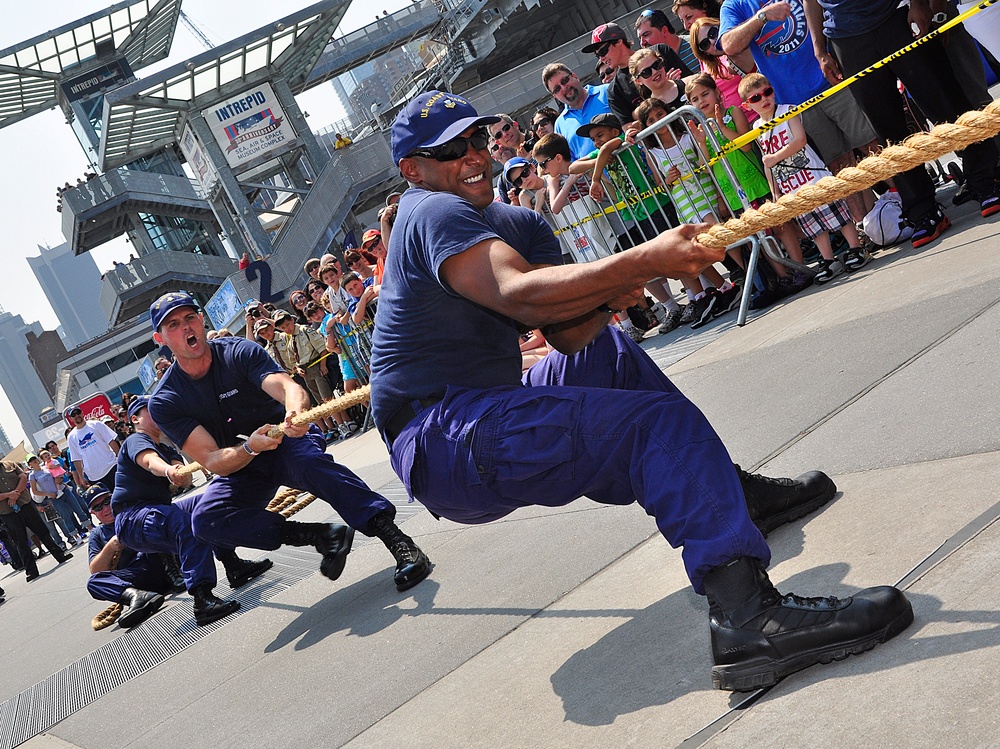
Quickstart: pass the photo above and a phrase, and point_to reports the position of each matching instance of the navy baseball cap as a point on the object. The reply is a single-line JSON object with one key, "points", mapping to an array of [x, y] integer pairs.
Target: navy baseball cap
{"points": [[137, 405], [514, 163], [166, 304], [95, 494], [433, 118]]}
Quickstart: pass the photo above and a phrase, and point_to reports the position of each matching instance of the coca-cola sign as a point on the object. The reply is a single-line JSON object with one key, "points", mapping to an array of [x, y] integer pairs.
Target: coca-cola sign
{"points": [[94, 407]]}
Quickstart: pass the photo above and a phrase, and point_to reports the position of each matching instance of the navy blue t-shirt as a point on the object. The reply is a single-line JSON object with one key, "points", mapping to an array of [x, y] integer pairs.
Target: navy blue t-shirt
{"points": [[99, 538], [227, 401], [427, 336], [843, 19], [134, 485]]}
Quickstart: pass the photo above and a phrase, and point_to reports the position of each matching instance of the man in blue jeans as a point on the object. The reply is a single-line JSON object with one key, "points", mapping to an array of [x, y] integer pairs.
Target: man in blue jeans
{"points": [[474, 442]]}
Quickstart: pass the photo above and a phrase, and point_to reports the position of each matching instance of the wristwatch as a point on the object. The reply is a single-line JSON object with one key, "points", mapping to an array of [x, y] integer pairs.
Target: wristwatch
{"points": [[247, 450], [762, 17], [938, 18]]}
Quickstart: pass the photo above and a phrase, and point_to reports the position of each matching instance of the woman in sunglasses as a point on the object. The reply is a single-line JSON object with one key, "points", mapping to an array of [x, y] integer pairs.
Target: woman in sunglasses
{"points": [[299, 299], [651, 77], [726, 71], [543, 122]]}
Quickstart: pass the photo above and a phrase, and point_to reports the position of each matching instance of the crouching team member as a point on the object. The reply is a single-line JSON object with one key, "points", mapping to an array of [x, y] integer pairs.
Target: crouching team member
{"points": [[120, 574], [473, 441], [218, 403], [147, 520]]}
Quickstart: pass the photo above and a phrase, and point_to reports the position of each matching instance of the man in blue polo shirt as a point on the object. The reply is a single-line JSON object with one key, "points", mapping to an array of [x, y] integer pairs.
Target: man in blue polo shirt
{"points": [[582, 103]]}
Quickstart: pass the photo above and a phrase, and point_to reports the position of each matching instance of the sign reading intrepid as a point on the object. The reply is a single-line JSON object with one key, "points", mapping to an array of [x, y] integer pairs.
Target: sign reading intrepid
{"points": [[250, 126]]}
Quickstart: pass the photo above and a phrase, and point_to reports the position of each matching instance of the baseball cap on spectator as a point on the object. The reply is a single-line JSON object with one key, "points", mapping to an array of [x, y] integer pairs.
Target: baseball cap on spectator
{"points": [[281, 315], [261, 324], [606, 32], [30, 457], [368, 236], [166, 304], [432, 119], [137, 405], [515, 163], [605, 119]]}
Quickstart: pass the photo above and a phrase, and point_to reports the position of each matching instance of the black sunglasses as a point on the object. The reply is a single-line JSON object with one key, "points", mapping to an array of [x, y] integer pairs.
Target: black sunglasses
{"points": [[545, 162], [603, 49], [709, 41], [101, 506], [536, 125], [559, 86], [606, 72], [505, 129], [646, 73], [516, 182], [754, 98], [455, 148]]}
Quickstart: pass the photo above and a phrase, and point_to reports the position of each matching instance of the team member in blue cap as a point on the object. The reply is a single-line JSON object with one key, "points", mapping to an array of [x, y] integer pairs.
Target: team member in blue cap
{"points": [[473, 441], [146, 520], [218, 402]]}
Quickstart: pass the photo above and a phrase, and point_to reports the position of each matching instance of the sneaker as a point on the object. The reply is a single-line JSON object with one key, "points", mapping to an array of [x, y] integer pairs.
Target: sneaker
{"points": [[795, 283], [687, 313], [671, 322], [929, 228], [634, 333], [352, 427], [726, 301], [856, 258], [703, 309], [760, 636], [660, 311], [989, 204], [772, 502], [828, 270]]}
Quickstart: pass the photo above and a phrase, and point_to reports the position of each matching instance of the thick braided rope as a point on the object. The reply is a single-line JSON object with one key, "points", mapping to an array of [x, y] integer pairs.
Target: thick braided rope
{"points": [[280, 499], [916, 150], [332, 406], [107, 617]]}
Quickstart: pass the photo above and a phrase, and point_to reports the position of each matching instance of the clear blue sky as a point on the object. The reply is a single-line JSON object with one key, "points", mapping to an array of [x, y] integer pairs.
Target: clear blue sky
{"points": [[42, 152]]}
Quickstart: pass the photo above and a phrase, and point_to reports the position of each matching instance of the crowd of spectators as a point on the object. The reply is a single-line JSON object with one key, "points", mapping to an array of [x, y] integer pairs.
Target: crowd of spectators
{"points": [[67, 186], [741, 63]]}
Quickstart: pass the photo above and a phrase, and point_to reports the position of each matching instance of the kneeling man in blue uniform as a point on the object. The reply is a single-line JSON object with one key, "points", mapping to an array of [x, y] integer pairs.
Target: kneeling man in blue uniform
{"points": [[473, 440]]}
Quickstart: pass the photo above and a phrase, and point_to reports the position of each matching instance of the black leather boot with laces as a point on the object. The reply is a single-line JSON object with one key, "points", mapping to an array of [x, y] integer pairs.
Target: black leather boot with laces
{"points": [[412, 565], [241, 571], [208, 607], [760, 636], [332, 540], [774, 502]]}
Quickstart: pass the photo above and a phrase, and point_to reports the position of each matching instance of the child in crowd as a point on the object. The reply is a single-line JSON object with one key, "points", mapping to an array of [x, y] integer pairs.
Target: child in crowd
{"points": [[364, 297], [672, 161], [629, 177], [588, 240], [528, 188], [792, 163]]}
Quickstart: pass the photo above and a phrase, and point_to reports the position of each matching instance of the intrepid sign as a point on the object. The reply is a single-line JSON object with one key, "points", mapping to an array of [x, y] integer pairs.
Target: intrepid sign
{"points": [[250, 126]]}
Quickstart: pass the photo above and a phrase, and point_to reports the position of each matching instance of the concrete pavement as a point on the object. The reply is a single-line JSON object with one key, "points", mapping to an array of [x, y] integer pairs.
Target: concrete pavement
{"points": [[576, 627]]}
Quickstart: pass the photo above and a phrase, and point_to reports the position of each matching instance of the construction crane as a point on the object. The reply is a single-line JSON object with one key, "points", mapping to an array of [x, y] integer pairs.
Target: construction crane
{"points": [[198, 34]]}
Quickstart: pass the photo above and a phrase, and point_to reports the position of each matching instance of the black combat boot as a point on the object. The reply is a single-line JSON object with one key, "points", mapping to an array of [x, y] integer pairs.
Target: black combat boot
{"points": [[774, 502], [331, 540], [139, 605], [208, 607], [412, 565], [241, 571], [173, 571], [760, 636]]}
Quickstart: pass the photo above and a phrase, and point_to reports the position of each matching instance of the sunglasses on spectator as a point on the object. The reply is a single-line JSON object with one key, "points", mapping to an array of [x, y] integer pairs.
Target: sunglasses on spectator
{"points": [[763, 93], [606, 72], [709, 41], [101, 506], [505, 129], [545, 162], [355, 262], [540, 123], [372, 242], [298, 298], [520, 177], [646, 73], [455, 148], [559, 86], [603, 49]]}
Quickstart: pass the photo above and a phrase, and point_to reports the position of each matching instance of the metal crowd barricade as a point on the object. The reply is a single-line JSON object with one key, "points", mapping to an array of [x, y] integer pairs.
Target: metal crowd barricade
{"points": [[641, 203], [356, 344]]}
